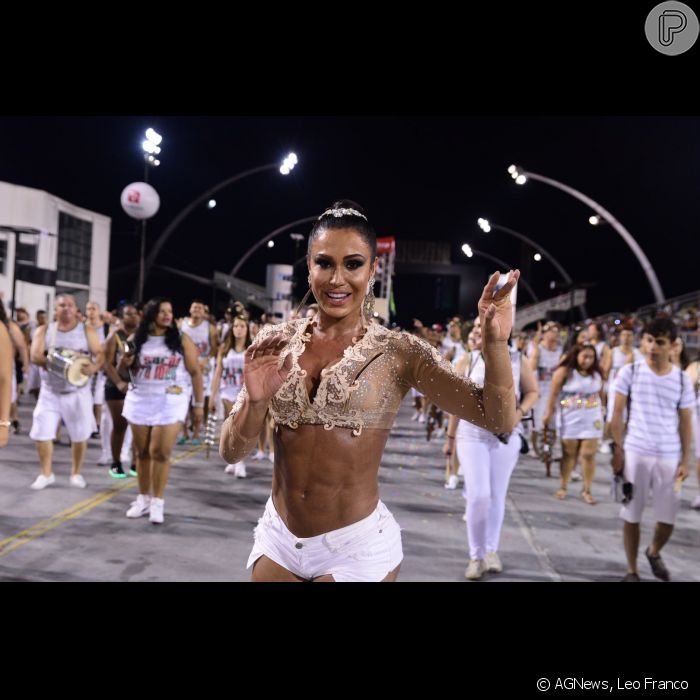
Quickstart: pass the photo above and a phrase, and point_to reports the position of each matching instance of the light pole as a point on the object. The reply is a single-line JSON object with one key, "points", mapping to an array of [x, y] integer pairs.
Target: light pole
{"points": [[151, 148], [469, 252], [522, 176], [485, 225], [287, 166]]}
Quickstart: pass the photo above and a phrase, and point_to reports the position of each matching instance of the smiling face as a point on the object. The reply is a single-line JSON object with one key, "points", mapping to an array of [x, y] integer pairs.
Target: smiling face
{"points": [[197, 311], [340, 266]]}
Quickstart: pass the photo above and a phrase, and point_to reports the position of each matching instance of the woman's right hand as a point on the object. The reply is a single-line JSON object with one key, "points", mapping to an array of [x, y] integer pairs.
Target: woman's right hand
{"points": [[546, 418], [262, 374]]}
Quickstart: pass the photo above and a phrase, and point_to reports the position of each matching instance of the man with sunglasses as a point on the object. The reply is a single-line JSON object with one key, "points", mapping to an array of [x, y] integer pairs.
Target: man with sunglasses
{"points": [[656, 447]]}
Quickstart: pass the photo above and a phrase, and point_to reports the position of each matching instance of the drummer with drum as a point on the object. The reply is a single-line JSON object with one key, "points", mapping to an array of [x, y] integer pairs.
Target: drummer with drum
{"points": [[68, 353]]}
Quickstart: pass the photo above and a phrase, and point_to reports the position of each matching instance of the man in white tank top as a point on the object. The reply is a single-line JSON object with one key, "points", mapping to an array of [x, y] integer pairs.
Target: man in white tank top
{"points": [[544, 359], [59, 400], [203, 335]]}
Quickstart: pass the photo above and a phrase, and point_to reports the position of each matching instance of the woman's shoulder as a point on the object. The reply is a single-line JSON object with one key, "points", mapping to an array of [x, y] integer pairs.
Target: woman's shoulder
{"points": [[410, 343], [286, 328]]}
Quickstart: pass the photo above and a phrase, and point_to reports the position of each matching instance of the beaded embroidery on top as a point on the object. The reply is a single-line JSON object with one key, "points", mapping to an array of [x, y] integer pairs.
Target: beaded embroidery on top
{"points": [[400, 355]]}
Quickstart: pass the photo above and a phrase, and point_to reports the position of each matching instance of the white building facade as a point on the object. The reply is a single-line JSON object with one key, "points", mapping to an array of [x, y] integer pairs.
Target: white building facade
{"points": [[49, 246]]}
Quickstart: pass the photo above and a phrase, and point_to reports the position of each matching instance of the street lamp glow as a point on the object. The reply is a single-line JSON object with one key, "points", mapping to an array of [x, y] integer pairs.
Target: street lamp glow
{"points": [[270, 244], [156, 162], [520, 180], [537, 257], [512, 169], [288, 164], [154, 137], [148, 146], [211, 203], [484, 225], [467, 250], [594, 220]]}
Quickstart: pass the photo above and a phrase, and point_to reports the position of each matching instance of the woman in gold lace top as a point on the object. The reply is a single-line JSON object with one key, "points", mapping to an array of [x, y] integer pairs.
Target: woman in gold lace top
{"points": [[333, 385]]}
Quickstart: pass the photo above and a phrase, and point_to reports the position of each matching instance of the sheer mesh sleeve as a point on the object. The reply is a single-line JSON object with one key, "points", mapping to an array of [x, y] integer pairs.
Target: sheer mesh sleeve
{"points": [[429, 373]]}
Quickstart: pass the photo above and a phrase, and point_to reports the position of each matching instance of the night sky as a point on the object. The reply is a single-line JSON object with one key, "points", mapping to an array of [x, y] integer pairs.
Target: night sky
{"points": [[424, 178]]}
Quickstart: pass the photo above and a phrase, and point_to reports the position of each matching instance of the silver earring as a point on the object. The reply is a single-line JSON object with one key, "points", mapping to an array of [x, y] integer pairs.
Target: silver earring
{"points": [[368, 304]]}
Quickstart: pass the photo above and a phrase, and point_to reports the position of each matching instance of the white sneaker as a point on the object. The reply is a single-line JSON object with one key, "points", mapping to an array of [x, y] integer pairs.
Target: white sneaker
{"points": [[439, 433], [240, 470], [475, 570], [139, 507], [105, 460], [230, 468], [604, 448], [493, 562], [452, 482], [415, 416], [259, 455], [271, 457], [78, 481], [575, 476], [421, 418], [464, 517], [156, 512], [696, 502], [41, 482]]}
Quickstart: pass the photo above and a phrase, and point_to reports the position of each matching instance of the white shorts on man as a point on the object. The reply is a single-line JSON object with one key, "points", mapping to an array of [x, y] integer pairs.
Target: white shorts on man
{"points": [[74, 408]]}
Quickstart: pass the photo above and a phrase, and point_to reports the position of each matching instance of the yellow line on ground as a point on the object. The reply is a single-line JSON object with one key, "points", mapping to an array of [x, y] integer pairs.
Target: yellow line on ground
{"points": [[12, 543]]}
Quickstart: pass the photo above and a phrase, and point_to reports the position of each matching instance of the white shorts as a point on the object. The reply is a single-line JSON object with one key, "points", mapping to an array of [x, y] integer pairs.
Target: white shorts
{"points": [[156, 409], [659, 474], [98, 394], [74, 408], [364, 551]]}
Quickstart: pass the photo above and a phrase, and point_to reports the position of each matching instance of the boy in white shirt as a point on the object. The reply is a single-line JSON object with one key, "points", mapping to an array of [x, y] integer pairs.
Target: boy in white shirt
{"points": [[657, 441]]}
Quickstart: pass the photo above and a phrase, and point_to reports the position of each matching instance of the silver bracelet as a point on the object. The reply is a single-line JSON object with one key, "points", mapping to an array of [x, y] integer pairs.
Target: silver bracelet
{"points": [[5, 423]]}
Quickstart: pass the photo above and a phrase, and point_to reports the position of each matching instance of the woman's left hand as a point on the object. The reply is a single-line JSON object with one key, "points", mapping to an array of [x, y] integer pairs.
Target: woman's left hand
{"points": [[495, 309]]}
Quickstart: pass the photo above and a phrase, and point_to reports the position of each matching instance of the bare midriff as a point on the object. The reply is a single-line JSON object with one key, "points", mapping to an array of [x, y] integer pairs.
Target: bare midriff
{"points": [[325, 479]]}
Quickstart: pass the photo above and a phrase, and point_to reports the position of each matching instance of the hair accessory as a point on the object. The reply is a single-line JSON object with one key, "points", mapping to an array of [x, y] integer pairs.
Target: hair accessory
{"points": [[342, 212]]}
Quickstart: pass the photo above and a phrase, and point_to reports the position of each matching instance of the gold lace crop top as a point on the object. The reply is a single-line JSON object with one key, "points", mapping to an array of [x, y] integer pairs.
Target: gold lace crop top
{"points": [[364, 389]]}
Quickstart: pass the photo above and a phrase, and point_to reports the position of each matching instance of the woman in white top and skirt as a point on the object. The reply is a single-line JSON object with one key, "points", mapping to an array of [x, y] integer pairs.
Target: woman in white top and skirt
{"points": [[577, 386], [164, 369], [228, 375]]}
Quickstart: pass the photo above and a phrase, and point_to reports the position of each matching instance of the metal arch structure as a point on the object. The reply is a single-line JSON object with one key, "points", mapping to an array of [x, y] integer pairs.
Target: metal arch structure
{"points": [[170, 228], [610, 219], [545, 253], [265, 239]]}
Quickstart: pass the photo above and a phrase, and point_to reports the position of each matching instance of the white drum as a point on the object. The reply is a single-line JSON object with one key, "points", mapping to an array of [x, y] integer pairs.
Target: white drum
{"points": [[67, 364]]}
